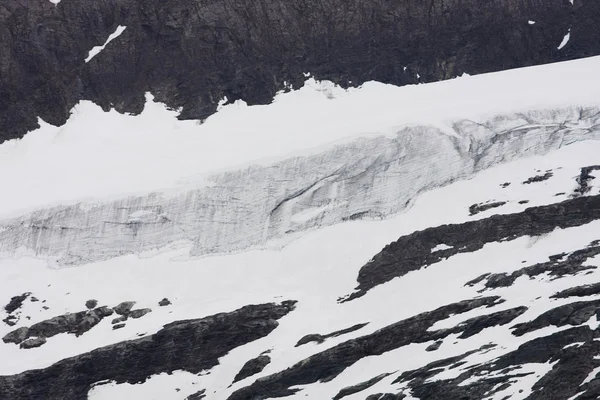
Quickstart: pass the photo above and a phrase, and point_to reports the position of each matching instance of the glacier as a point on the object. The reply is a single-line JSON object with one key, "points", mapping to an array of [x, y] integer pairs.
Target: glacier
{"points": [[367, 178]]}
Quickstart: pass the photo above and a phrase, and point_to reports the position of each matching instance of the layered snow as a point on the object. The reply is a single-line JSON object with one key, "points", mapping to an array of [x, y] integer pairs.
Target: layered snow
{"points": [[97, 49], [367, 178], [117, 154]]}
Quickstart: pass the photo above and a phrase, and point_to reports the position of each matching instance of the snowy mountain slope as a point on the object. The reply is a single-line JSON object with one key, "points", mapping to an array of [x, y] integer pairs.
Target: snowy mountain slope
{"points": [[446, 256], [316, 270]]}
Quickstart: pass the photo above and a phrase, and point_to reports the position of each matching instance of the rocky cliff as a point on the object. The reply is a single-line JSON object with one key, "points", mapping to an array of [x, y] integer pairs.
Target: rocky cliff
{"points": [[191, 54]]}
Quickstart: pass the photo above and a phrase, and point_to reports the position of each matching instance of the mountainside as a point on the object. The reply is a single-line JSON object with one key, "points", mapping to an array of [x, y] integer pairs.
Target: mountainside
{"points": [[193, 54], [384, 200], [423, 248]]}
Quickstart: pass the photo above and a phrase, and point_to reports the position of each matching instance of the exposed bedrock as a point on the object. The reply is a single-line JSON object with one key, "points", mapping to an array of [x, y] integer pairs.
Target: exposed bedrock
{"points": [[328, 364], [369, 178], [191, 54], [412, 252], [190, 345]]}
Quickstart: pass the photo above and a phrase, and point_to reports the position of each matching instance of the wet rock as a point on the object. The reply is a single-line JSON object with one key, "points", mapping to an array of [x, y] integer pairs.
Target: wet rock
{"points": [[505, 185], [124, 308], [164, 302], [32, 343], [34, 299], [523, 201], [16, 302], [192, 345], [252, 367], [90, 304], [481, 207], [139, 313]]}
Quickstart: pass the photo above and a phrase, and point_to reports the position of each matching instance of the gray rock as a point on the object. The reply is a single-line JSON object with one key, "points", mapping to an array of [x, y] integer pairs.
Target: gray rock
{"points": [[434, 346], [90, 304], [16, 336], [140, 312], [124, 308], [252, 367], [192, 345], [16, 302], [117, 320], [33, 342], [164, 302], [118, 326]]}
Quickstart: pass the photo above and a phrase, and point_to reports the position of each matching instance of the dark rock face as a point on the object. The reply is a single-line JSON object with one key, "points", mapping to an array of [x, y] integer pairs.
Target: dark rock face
{"points": [[573, 364], [326, 365], [192, 345], [16, 302], [413, 251], [568, 314], [191, 54], [252, 367], [315, 337]]}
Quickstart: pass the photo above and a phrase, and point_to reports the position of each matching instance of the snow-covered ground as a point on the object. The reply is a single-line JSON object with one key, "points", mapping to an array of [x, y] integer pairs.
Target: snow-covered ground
{"points": [[491, 147], [315, 269]]}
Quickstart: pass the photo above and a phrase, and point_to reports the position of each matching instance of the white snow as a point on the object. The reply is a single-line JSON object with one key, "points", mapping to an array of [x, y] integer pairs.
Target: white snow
{"points": [[530, 22], [97, 49], [440, 247], [591, 376], [118, 154], [315, 269], [565, 40]]}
